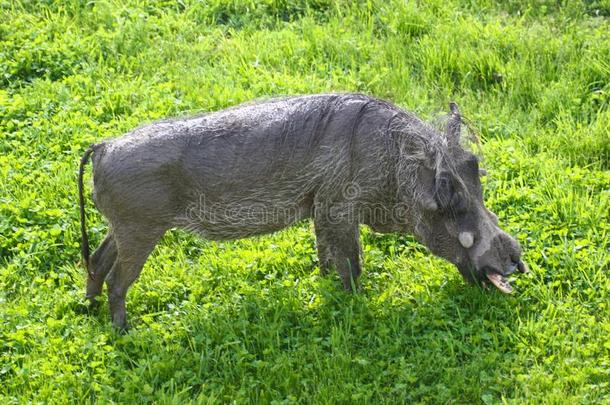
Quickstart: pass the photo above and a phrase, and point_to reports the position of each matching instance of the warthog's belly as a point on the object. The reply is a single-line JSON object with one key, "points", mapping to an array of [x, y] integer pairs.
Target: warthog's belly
{"points": [[233, 218]]}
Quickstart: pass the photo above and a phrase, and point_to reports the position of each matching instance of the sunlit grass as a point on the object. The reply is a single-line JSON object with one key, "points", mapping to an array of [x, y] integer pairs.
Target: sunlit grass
{"points": [[252, 320]]}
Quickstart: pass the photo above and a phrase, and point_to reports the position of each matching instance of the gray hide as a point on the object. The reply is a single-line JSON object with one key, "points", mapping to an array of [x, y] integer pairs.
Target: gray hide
{"points": [[341, 159]]}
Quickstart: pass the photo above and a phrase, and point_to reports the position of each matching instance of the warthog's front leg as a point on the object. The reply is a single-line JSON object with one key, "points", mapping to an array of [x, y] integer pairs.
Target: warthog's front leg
{"points": [[339, 246]]}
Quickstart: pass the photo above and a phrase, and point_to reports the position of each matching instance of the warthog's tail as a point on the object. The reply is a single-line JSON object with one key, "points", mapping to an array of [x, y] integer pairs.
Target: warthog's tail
{"points": [[83, 228]]}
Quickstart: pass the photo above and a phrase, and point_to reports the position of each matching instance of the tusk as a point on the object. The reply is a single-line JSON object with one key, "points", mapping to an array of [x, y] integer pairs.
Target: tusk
{"points": [[500, 282], [466, 239]]}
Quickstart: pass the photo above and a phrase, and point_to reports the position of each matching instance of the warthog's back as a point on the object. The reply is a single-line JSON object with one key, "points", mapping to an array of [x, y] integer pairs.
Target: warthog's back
{"points": [[250, 169]]}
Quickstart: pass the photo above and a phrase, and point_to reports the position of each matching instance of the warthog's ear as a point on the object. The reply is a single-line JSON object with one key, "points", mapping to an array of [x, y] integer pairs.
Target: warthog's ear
{"points": [[454, 125], [442, 193], [447, 193], [426, 180]]}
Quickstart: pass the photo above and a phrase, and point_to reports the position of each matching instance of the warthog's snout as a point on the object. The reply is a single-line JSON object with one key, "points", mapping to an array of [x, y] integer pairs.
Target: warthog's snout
{"points": [[497, 258]]}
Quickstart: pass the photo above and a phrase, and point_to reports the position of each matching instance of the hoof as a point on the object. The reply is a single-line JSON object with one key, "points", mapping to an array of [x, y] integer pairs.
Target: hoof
{"points": [[120, 324], [121, 329]]}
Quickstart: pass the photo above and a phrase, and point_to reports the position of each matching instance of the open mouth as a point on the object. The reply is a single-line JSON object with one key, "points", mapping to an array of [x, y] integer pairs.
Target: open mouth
{"points": [[500, 281]]}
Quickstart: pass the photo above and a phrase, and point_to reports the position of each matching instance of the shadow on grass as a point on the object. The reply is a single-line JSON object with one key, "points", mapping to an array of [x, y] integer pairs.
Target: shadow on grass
{"points": [[314, 341]]}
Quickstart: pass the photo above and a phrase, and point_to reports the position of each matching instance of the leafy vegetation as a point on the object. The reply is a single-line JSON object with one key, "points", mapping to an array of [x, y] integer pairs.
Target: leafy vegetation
{"points": [[252, 320]]}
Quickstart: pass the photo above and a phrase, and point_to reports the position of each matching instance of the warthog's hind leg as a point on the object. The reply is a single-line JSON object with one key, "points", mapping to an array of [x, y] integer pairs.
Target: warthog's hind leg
{"points": [[102, 261], [134, 244]]}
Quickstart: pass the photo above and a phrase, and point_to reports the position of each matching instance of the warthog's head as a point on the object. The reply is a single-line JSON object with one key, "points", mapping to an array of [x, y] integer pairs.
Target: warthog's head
{"points": [[452, 220]]}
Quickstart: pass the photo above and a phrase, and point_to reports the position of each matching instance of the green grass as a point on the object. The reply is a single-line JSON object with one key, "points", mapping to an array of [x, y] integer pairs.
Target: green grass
{"points": [[252, 320]]}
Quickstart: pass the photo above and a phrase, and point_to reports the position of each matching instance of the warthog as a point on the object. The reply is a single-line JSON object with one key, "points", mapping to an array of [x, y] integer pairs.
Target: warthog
{"points": [[341, 159]]}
